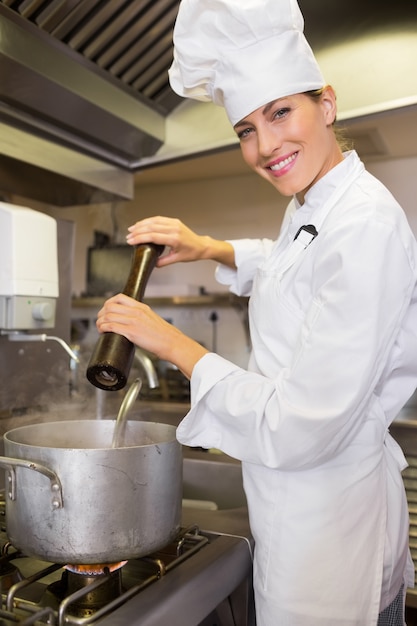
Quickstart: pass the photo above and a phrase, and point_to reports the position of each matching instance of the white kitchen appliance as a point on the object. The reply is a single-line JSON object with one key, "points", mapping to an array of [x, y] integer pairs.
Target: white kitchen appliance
{"points": [[28, 269]]}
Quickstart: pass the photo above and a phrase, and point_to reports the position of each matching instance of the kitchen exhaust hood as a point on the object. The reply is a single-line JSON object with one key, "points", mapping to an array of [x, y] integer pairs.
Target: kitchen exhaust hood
{"points": [[84, 95], [85, 100]]}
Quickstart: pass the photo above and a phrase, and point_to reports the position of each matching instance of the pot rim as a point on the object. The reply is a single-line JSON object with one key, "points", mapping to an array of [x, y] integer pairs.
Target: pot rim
{"points": [[56, 428]]}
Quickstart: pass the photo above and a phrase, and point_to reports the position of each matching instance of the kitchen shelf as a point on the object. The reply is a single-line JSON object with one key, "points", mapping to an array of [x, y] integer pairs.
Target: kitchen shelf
{"points": [[211, 300]]}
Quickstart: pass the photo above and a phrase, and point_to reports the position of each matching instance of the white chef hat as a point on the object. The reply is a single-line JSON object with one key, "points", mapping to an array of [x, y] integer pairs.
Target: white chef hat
{"points": [[241, 54]]}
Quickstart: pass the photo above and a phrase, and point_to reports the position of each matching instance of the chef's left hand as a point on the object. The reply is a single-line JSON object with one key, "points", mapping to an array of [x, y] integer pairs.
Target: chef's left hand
{"points": [[142, 326]]}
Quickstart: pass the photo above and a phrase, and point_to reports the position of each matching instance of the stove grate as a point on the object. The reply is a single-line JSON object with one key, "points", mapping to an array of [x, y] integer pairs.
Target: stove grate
{"points": [[24, 603]]}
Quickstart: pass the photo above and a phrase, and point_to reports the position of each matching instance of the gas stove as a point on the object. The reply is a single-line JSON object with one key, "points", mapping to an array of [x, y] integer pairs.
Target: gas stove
{"points": [[202, 578]]}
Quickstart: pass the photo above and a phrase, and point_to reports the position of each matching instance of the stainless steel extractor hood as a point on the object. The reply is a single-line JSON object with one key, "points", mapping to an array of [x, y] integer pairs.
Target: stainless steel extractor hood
{"points": [[85, 100], [83, 95]]}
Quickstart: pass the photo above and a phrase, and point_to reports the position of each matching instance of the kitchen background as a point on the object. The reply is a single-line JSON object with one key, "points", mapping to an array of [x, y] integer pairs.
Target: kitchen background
{"points": [[224, 205], [92, 135]]}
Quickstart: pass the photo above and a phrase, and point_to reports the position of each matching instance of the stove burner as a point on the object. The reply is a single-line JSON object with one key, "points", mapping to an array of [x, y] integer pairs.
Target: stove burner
{"points": [[89, 591], [94, 570]]}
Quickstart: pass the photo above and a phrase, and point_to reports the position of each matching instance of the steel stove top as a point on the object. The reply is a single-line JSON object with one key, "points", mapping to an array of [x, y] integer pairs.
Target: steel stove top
{"points": [[203, 578]]}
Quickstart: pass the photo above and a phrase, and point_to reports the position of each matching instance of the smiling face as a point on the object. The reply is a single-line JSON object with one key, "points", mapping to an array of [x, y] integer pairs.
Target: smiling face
{"points": [[290, 141]]}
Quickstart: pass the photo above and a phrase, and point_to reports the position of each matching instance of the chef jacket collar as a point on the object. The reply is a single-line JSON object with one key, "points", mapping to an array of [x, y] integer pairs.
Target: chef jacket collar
{"points": [[323, 188]]}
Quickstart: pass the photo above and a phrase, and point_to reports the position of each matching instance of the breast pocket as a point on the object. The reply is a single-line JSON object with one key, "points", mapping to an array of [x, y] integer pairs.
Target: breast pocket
{"points": [[277, 311]]}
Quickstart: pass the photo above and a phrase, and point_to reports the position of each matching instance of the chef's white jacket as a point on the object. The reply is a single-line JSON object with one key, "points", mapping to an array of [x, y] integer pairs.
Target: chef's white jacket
{"points": [[333, 323]]}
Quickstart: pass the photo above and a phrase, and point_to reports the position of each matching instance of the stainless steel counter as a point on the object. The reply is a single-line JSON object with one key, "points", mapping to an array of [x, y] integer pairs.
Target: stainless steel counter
{"points": [[186, 599]]}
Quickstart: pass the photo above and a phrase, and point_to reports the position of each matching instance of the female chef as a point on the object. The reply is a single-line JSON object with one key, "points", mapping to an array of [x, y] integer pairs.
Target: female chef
{"points": [[333, 320]]}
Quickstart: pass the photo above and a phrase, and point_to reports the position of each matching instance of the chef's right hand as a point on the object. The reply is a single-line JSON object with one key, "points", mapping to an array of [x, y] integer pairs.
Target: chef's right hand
{"points": [[145, 328], [181, 242]]}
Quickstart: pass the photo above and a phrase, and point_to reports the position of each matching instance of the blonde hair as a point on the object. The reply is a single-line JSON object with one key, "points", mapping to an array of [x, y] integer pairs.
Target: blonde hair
{"points": [[345, 143]]}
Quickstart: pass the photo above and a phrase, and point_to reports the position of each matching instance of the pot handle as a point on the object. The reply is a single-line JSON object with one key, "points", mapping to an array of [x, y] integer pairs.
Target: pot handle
{"points": [[9, 464]]}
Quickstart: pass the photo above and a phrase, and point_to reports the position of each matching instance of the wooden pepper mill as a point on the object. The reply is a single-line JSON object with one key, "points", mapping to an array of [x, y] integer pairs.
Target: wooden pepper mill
{"points": [[113, 354]]}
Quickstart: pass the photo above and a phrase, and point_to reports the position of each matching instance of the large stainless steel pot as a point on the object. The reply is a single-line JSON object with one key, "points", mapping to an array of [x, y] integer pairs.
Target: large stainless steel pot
{"points": [[72, 498]]}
